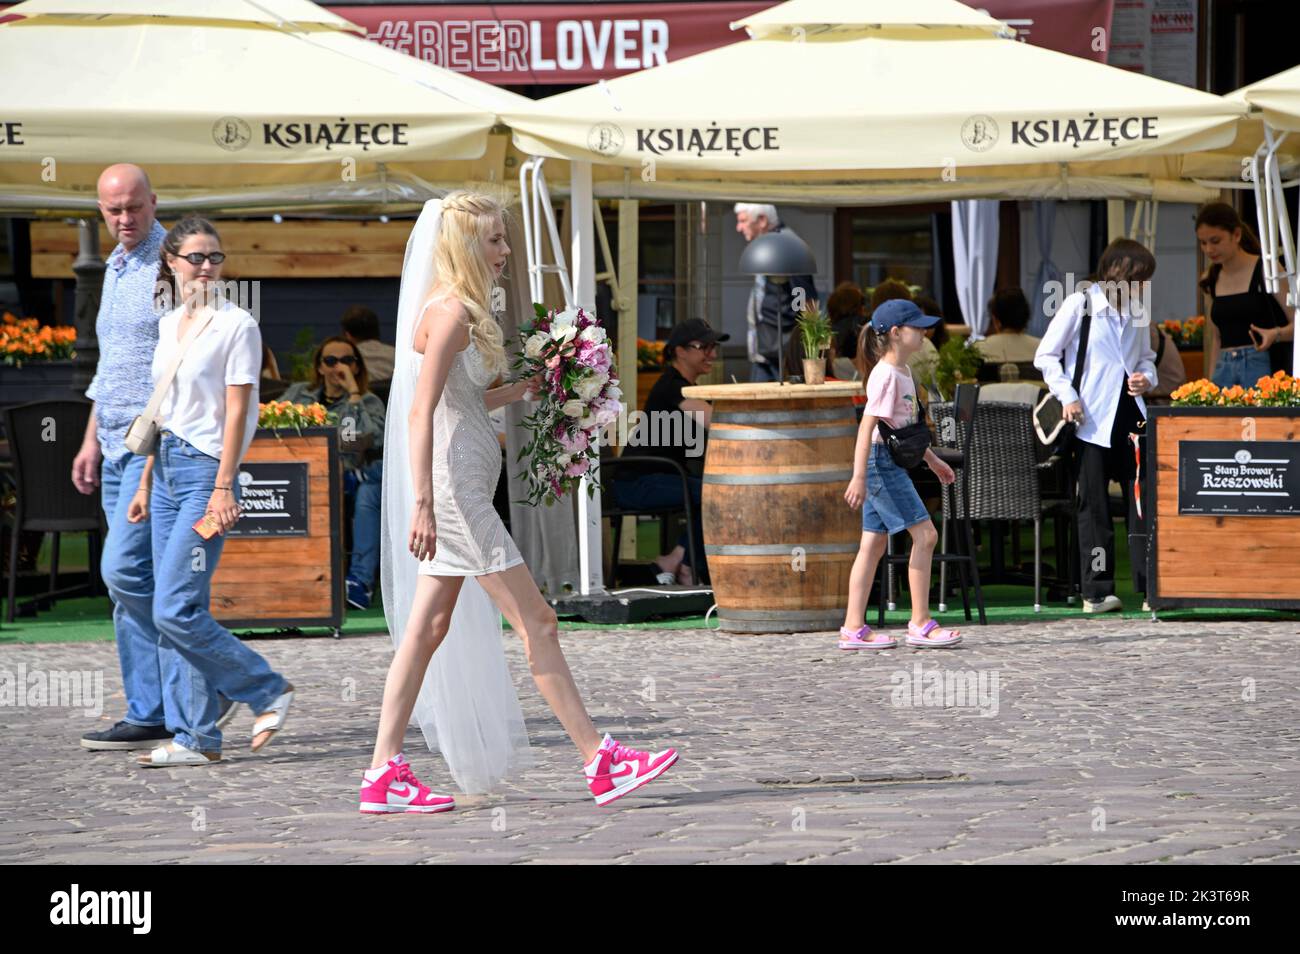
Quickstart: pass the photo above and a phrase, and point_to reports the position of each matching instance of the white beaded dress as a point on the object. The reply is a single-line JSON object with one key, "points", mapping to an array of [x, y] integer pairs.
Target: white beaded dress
{"points": [[471, 539]]}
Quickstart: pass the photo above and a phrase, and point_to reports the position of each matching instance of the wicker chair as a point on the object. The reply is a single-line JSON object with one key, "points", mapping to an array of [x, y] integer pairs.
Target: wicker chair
{"points": [[1003, 471]]}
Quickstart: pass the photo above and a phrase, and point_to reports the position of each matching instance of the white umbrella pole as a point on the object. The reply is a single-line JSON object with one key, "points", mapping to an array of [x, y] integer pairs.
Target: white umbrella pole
{"points": [[582, 253]]}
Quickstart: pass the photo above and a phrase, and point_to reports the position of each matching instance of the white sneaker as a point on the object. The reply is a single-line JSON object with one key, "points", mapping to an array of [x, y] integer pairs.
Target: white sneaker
{"points": [[173, 753], [1109, 605]]}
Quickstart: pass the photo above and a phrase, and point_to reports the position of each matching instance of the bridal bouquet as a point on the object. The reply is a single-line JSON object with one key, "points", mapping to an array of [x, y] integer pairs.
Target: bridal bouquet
{"points": [[580, 396]]}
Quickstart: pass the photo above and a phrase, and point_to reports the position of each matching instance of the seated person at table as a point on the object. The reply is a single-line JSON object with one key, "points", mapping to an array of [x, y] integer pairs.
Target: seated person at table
{"points": [[341, 383], [672, 428], [361, 327], [847, 310], [1009, 314]]}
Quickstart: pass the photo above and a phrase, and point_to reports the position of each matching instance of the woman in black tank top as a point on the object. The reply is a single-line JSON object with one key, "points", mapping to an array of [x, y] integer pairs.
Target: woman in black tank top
{"points": [[1244, 319]]}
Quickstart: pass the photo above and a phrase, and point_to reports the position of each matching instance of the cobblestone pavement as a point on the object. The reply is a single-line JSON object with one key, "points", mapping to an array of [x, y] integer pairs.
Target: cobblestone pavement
{"points": [[1092, 741]]}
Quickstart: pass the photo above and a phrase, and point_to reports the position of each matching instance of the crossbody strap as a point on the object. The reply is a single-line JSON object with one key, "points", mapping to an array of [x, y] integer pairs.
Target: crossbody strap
{"points": [[1084, 332], [165, 382]]}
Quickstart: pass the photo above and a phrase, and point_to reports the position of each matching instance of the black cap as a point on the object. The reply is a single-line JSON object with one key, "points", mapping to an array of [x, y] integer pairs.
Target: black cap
{"points": [[693, 329]]}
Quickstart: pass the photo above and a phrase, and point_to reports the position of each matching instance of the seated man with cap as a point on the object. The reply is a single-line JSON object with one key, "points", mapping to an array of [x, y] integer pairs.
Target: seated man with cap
{"points": [[675, 427]]}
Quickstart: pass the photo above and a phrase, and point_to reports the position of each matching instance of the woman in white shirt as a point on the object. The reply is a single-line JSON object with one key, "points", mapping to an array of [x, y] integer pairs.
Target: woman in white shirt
{"points": [[207, 418], [1119, 367]]}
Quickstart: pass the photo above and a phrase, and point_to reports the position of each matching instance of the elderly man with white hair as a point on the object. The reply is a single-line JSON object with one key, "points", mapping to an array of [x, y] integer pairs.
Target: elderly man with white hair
{"points": [[776, 300]]}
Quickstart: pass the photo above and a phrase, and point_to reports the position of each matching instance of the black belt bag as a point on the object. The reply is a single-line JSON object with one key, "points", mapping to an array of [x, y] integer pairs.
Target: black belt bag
{"points": [[907, 445]]}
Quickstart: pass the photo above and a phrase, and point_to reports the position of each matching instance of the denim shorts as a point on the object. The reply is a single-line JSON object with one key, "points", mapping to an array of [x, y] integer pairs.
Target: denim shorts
{"points": [[892, 503], [1243, 366]]}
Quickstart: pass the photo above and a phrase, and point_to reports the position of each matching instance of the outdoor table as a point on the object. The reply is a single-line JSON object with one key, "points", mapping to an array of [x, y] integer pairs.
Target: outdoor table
{"points": [[779, 536], [1224, 496], [282, 564]]}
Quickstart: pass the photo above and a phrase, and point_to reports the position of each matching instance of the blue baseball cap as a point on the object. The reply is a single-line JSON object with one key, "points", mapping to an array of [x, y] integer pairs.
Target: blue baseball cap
{"points": [[900, 311]]}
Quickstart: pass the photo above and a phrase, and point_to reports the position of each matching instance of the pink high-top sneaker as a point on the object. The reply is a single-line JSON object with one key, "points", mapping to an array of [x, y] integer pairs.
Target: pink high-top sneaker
{"points": [[617, 770], [394, 788]]}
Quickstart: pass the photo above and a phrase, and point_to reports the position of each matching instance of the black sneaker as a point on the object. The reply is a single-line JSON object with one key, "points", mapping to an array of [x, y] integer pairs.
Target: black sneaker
{"points": [[124, 735]]}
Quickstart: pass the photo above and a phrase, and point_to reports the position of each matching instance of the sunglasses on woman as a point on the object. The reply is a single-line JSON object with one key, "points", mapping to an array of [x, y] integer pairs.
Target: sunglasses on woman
{"points": [[331, 360], [198, 258]]}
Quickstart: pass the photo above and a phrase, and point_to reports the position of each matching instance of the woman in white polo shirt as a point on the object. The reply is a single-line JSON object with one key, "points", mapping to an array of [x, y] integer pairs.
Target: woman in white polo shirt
{"points": [[1118, 368], [208, 418]]}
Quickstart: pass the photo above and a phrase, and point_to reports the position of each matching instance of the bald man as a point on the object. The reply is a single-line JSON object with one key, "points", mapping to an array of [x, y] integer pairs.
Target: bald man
{"points": [[127, 328]]}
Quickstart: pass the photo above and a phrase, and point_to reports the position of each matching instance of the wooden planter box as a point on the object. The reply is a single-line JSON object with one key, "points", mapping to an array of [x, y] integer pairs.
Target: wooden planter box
{"points": [[42, 381], [291, 573], [1210, 462]]}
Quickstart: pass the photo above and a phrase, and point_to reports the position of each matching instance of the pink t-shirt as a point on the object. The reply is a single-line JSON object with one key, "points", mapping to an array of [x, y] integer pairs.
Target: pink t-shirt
{"points": [[891, 396]]}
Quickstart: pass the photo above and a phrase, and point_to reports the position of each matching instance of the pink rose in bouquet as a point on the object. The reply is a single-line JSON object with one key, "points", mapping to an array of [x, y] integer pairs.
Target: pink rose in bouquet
{"points": [[580, 396]]}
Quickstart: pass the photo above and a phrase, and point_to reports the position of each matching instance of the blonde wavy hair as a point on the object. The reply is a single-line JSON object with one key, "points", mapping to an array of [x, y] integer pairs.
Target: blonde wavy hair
{"points": [[467, 220]]}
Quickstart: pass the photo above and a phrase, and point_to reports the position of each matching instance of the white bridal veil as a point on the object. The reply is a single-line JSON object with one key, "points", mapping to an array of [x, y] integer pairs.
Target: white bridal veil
{"points": [[467, 705]]}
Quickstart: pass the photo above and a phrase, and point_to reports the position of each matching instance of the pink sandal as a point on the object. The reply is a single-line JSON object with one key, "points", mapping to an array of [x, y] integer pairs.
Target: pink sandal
{"points": [[932, 636], [849, 639]]}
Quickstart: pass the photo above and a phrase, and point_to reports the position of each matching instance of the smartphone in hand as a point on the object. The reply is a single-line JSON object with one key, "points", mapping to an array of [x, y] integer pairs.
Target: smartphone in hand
{"points": [[207, 527]]}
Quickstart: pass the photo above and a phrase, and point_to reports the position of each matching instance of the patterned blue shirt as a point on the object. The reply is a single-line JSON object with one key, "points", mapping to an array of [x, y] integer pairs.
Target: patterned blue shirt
{"points": [[127, 329]]}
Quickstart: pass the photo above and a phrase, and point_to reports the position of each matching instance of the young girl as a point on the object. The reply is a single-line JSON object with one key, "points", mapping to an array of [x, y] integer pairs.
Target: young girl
{"points": [[882, 489], [443, 561]]}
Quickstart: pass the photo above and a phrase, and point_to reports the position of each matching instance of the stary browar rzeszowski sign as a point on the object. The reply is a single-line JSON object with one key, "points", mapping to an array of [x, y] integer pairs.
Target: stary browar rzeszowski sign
{"points": [[1250, 478], [273, 498]]}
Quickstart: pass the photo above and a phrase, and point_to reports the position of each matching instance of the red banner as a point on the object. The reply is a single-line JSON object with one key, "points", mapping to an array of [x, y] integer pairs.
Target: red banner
{"points": [[551, 43], [1078, 27], [567, 43]]}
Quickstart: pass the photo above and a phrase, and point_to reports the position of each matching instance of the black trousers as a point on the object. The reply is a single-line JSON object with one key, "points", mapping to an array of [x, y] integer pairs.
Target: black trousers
{"points": [[1094, 468]]}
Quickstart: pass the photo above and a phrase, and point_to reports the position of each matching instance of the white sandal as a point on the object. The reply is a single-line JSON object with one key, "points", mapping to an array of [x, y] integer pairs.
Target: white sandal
{"points": [[272, 720], [173, 753]]}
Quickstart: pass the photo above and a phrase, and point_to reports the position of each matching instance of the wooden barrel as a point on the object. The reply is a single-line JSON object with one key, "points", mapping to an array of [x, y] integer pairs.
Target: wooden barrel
{"points": [[779, 537]]}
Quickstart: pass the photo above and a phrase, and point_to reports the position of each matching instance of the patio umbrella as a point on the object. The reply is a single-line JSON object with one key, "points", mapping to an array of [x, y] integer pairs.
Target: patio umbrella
{"points": [[882, 101], [1276, 100], [275, 104]]}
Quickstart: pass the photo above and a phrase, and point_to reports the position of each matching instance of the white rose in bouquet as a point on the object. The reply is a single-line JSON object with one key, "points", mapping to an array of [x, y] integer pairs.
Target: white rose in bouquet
{"points": [[535, 344], [590, 386], [573, 408], [564, 333], [594, 333]]}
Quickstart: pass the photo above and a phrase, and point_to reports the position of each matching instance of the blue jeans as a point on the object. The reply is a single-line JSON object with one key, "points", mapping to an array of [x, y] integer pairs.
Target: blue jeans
{"points": [[665, 490], [763, 372], [183, 566], [1242, 366], [364, 490], [127, 570]]}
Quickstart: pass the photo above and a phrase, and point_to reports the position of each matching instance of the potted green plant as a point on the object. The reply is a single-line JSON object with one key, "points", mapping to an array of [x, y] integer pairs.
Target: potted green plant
{"points": [[815, 332], [957, 363]]}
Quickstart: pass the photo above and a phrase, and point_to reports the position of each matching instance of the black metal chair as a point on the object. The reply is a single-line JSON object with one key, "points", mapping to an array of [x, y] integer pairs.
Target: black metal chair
{"points": [[44, 438], [640, 464], [955, 449]]}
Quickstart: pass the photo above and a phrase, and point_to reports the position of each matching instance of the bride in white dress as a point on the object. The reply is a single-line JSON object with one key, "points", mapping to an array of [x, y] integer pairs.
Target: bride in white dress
{"points": [[449, 568]]}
